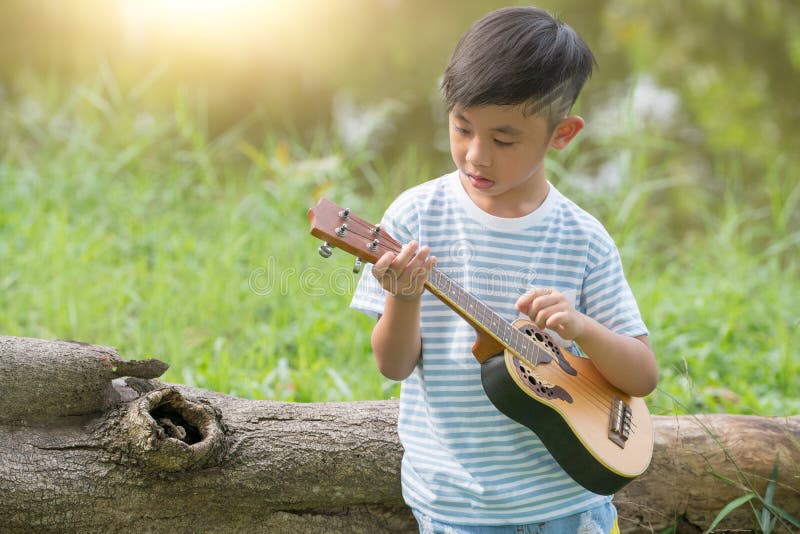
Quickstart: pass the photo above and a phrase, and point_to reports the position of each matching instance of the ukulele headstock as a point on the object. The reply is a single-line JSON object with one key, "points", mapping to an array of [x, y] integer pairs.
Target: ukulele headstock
{"points": [[340, 228]]}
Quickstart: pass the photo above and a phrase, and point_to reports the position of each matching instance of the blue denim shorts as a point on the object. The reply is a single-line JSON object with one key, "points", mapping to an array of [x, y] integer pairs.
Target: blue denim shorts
{"points": [[600, 520]]}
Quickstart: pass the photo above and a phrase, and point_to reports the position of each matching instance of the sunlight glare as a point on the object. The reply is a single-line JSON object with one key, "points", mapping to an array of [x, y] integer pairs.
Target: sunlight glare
{"points": [[213, 26], [175, 12], [195, 18]]}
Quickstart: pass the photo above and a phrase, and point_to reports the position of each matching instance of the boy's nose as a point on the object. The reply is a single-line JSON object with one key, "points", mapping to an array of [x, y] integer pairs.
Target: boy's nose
{"points": [[478, 154]]}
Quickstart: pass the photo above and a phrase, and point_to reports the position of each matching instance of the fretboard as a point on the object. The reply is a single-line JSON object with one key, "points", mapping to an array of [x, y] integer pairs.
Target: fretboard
{"points": [[461, 300]]}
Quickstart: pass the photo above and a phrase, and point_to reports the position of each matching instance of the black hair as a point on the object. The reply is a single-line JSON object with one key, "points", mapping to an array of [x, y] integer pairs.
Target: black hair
{"points": [[519, 56]]}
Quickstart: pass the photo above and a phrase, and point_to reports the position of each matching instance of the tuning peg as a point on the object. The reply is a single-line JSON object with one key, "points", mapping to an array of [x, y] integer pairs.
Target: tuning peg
{"points": [[357, 266], [325, 250]]}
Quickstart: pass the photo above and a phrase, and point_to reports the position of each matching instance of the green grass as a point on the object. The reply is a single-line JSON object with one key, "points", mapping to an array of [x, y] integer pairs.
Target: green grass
{"points": [[135, 229], [713, 260]]}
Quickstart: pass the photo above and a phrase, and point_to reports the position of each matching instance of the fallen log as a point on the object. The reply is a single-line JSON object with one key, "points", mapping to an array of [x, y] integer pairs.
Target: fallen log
{"points": [[92, 442], [683, 485]]}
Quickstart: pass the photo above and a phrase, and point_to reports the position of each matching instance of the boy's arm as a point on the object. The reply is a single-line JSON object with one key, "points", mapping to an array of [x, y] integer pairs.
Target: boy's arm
{"points": [[627, 362], [396, 338]]}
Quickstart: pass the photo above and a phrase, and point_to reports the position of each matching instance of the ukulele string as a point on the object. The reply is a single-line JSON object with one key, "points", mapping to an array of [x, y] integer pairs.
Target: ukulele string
{"points": [[592, 392]]}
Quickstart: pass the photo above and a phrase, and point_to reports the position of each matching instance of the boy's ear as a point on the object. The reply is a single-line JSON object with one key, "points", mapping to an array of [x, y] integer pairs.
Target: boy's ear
{"points": [[566, 129]]}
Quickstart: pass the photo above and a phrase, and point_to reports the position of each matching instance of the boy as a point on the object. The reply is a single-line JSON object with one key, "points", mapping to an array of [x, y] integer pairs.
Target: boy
{"points": [[499, 228]]}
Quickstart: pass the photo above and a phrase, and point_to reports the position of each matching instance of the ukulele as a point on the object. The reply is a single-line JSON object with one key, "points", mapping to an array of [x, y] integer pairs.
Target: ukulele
{"points": [[601, 437]]}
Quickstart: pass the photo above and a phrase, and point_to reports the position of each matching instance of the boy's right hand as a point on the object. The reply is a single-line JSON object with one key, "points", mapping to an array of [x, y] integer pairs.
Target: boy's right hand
{"points": [[403, 275]]}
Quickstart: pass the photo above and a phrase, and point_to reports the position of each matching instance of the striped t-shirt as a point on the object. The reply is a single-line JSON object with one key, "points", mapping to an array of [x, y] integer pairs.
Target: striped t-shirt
{"points": [[464, 461]]}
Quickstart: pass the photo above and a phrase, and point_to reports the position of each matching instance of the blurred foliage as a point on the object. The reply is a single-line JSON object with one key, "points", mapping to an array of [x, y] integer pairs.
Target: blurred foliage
{"points": [[158, 155], [734, 64], [143, 232]]}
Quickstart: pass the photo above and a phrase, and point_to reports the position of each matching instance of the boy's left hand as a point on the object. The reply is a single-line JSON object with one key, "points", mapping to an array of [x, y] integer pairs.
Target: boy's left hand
{"points": [[548, 308]]}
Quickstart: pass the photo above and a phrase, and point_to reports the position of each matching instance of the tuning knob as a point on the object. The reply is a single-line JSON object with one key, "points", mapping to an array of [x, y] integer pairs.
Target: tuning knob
{"points": [[357, 266], [325, 250]]}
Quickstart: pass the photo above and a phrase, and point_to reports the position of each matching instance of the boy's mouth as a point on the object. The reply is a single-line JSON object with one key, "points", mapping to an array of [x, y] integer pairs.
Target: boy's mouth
{"points": [[479, 182]]}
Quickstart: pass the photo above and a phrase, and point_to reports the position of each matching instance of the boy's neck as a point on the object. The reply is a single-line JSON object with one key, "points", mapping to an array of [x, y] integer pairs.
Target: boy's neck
{"points": [[511, 204]]}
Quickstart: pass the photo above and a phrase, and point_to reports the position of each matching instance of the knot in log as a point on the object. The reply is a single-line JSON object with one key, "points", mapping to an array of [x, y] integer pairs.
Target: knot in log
{"points": [[170, 432]]}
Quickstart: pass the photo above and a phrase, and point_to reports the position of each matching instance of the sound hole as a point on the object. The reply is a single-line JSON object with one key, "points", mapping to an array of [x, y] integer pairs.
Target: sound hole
{"points": [[538, 388], [531, 383]]}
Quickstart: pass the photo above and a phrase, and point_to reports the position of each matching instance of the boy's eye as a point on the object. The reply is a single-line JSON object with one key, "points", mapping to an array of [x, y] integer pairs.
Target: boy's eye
{"points": [[465, 132]]}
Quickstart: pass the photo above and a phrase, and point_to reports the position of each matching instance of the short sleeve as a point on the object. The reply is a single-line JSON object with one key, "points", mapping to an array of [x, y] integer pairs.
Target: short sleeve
{"points": [[607, 297], [369, 297], [399, 222]]}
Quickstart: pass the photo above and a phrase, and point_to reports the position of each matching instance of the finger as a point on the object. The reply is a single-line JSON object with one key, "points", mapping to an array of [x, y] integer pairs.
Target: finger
{"points": [[543, 302], [557, 320], [539, 302], [524, 301], [523, 305], [430, 264], [566, 324], [540, 317], [409, 271], [532, 294], [539, 291], [382, 265], [544, 314], [411, 281], [414, 274], [407, 252], [419, 275], [418, 261], [545, 295]]}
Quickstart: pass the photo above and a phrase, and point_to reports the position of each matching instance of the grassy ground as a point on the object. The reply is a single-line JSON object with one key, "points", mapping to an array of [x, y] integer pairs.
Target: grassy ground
{"points": [[136, 230]]}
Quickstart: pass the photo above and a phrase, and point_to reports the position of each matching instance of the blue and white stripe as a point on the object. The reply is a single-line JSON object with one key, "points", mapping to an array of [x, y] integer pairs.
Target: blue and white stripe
{"points": [[464, 461]]}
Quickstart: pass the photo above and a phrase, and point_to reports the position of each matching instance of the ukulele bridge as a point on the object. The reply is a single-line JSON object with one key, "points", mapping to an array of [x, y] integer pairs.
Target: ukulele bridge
{"points": [[619, 426]]}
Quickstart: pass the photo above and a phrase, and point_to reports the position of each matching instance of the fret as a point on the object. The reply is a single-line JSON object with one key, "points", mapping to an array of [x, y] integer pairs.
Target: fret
{"points": [[524, 346], [516, 343], [488, 319], [510, 332], [446, 285], [496, 326], [482, 314]]}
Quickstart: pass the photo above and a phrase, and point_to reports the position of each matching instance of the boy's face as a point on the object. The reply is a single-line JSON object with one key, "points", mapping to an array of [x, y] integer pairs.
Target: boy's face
{"points": [[500, 154]]}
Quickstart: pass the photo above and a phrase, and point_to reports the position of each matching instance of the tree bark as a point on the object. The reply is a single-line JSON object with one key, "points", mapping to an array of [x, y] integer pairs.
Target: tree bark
{"points": [[681, 487], [84, 450]]}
